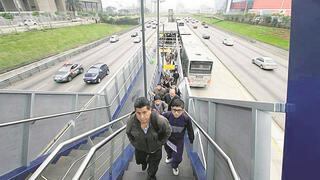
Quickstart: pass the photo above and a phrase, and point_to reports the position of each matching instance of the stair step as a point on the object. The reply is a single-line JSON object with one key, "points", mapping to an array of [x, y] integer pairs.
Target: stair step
{"points": [[85, 147], [54, 172], [185, 171], [65, 161], [143, 176], [77, 153], [98, 139], [106, 134]]}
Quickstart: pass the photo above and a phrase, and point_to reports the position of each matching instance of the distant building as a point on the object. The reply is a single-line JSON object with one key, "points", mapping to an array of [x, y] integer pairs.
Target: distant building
{"points": [[263, 7], [47, 5], [239, 6]]}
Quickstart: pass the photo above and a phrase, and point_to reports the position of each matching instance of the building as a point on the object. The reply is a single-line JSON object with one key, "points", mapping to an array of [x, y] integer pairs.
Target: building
{"points": [[47, 5], [239, 6], [263, 7]]}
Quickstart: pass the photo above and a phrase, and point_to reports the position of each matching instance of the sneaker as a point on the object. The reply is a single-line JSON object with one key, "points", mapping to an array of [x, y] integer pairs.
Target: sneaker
{"points": [[144, 166], [175, 171], [168, 160]]}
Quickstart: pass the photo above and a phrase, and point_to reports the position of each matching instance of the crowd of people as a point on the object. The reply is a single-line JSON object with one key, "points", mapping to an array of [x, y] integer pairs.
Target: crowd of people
{"points": [[160, 122]]}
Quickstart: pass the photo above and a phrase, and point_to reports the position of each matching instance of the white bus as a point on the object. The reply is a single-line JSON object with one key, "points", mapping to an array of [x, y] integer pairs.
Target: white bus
{"points": [[180, 23], [197, 61]]}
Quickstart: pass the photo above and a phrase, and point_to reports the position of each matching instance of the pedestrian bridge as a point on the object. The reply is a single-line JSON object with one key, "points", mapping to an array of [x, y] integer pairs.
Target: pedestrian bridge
{"points": [[46, 135]]}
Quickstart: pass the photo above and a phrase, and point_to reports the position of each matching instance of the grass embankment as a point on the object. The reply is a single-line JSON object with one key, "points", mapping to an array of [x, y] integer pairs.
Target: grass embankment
{"points": [[275, 36], [19, 49]]}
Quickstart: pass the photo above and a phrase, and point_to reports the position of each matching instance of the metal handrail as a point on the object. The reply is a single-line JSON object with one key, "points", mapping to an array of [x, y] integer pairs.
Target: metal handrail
{"points": [[230, 164], [123, 86], [61, 145], [67, 113], [56, 139], [50, 116], [202, 151], [92, 151], [69, 169]]}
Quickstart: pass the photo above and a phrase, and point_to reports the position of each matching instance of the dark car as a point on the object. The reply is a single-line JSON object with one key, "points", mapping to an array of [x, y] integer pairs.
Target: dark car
{"points": [[205, 36], [68, 72], [95, 73]]}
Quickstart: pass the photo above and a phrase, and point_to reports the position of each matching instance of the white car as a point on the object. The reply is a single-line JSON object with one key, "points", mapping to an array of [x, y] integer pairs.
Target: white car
{"points": [[153, 26], [29, 22], [205, 26], [228, 42], [114, 38], [265, 62], [137, 39], [77, 19]]}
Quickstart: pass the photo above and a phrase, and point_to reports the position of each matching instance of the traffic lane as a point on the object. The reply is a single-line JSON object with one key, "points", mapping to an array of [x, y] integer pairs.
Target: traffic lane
{"points": [[44, 79], [35, 81], [247, 47], [116, 59], [109, 57], [281, 72], [121, 58], [248, 74], [254, 49]]}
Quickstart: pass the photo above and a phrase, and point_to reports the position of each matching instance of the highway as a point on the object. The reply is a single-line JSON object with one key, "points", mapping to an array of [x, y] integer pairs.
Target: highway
{"points": [[113, 54], [263, 85]]}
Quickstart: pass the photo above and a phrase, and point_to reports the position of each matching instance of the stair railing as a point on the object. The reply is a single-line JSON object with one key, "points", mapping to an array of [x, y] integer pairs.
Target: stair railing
{"points": [[93, 150], [74, 139], [217, 147]]}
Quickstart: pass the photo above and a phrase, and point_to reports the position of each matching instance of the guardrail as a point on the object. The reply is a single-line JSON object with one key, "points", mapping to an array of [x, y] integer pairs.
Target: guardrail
{"points": [[241, 131], [74, 139]]}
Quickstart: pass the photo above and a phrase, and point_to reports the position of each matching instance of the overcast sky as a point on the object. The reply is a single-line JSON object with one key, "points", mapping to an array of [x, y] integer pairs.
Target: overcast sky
{"points": [[168, 4]]}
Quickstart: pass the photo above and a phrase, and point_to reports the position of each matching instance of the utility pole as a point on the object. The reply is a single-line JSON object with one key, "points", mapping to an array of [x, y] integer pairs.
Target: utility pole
{"points": [[158, 34], [144, 49]]}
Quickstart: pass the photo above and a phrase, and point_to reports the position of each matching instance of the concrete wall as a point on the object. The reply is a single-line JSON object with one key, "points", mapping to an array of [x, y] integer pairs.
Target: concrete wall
{"points": [[9, 5], [47, 5]]}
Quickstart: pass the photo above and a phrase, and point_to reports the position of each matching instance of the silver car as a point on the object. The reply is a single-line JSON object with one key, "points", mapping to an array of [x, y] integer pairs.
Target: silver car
{"points": [[265, 63], [137, 39], [68, 72], [228, 42], [114, 38]]}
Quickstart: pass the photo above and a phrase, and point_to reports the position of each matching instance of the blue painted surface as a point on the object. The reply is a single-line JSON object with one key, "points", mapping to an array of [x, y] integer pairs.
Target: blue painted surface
{"points": [[22, 172], [124, 99], [120, 165], [196, 163], [301, 158]]}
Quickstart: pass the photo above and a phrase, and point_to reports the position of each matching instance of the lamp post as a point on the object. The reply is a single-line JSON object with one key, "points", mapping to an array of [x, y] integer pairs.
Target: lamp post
{"points": [[144, 49], [158, 43]]}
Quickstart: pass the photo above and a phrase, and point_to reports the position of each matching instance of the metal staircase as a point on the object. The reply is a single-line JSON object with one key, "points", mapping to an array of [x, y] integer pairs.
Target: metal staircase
{"points": [[164, 172]]}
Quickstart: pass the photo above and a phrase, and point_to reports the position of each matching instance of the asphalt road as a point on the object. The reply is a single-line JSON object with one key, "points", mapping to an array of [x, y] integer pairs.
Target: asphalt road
{"points": [[263, 85], [113, 54]]}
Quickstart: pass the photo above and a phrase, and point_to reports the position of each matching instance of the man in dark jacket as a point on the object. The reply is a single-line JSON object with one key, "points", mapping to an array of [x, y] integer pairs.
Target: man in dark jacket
{"points": [[158, 105], [179, 122], [147, 132], [169, 97]]}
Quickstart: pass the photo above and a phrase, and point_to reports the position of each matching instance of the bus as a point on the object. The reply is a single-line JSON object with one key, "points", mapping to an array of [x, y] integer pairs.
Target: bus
{"points": [[180, 23], [197, 61]]}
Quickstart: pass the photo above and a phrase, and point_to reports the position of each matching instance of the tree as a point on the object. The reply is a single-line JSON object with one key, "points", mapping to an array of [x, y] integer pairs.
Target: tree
{"points": [[110, 10], [10, 18]]}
